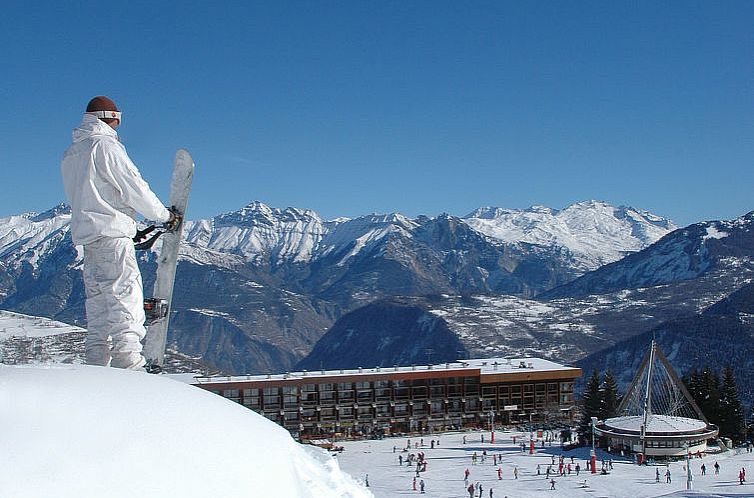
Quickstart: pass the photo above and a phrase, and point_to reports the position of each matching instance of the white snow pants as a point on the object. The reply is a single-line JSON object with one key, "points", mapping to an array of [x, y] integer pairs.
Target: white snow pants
{"points": [[114, 304]]}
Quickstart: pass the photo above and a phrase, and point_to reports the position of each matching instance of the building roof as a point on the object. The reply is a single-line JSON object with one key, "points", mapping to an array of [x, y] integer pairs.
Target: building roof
{"points": [[479, 366], [663, 424]]}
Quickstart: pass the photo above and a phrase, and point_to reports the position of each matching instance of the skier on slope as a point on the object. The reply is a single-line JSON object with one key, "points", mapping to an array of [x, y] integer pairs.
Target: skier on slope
{"points": [[105, 190]]}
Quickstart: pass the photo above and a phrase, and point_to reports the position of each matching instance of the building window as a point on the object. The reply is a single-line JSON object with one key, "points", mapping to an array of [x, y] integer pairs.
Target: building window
{"points": [[251, 401], [271, 401]]}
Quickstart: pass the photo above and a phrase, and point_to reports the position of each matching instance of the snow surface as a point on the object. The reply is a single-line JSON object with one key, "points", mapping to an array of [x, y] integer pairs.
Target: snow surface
{"points": [[446, 464], [20, 325], [83, 431]]}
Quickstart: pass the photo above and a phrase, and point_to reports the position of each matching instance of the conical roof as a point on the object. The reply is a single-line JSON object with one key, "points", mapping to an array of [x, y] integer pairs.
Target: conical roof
{"points": [[657, 390]]}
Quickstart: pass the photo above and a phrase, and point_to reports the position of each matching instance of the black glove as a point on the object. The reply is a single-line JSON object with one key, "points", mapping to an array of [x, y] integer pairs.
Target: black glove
{"points": [[175, 220]]}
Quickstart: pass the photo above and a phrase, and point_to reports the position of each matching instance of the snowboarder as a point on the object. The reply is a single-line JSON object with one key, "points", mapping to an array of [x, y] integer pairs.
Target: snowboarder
{"points": [[105, 191]]}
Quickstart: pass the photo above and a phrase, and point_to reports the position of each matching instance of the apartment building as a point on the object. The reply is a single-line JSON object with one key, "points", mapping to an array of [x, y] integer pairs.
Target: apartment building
{"points": [[403, 399]]}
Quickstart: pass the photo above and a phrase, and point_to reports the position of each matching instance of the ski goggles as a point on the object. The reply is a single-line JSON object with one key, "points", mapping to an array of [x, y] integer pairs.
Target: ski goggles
{"points": [[107, 114]]}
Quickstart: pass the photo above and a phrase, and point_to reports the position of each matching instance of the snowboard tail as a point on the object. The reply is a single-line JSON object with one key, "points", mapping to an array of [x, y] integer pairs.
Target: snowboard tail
{"points": [[157, 329]]}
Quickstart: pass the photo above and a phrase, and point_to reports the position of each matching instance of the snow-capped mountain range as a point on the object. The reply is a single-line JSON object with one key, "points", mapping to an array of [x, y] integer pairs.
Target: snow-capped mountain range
{"points": [[258, 287], [594, 233]]}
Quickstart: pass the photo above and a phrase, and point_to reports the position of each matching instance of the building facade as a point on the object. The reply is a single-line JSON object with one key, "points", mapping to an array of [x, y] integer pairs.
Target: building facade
{"points": [[377, 401]]}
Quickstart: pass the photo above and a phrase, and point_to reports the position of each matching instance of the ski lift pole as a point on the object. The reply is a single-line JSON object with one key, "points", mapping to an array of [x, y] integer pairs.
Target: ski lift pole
{"points": [[594, 452], [689, 476]]}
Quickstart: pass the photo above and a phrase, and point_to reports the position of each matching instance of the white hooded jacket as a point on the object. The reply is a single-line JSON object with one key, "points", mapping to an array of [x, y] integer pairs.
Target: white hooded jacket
{"points": [[104, 186]]}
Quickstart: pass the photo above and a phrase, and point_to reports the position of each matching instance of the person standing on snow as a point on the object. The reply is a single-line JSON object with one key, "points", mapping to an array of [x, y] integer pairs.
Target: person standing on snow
{"points": [[105, 191]]}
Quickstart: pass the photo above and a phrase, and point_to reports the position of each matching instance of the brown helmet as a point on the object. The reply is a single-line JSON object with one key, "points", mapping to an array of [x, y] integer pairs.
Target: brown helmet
{"points": [[104, 108]]}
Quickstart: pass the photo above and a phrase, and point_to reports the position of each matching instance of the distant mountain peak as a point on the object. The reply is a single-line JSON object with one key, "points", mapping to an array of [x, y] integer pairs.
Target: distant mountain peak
{"points": [[595, 232], [59, 210], [257, 213]]}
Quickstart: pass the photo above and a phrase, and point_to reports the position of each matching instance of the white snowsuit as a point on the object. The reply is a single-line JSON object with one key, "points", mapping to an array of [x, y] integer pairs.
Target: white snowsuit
{"points": [[105, 191]]}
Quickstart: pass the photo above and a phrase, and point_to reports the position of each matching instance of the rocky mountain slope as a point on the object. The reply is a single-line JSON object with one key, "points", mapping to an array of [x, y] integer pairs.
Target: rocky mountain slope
{"points": [[575, 324], [685, 254], [721, 335]]}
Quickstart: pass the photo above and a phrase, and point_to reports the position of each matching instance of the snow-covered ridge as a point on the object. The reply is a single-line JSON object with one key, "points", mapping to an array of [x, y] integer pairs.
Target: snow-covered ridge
{"points": [[20, 325], [26, 237], [594, 233]]}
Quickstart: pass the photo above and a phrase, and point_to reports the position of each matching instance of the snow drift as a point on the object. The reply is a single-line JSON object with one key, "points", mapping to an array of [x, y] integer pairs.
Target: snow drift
{"points": [[83, 431]]}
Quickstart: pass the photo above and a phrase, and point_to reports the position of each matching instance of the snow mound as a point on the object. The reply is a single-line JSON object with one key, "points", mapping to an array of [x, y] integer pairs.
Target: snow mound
{"points": [[84, 431]]}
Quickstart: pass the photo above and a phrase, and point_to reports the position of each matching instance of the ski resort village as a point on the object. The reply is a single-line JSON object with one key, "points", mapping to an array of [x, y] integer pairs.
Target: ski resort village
{"points": [[353, 249]]}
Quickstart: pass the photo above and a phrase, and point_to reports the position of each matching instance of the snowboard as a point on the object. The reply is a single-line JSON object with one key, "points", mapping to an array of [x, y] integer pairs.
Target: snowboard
{"points": [[157, 329]]}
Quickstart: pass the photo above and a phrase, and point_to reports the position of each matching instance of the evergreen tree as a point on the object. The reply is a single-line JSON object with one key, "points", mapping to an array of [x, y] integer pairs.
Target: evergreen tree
{"points": [[592, 403], [730, 412], [691, 381], [610, 399], [709, 395]]}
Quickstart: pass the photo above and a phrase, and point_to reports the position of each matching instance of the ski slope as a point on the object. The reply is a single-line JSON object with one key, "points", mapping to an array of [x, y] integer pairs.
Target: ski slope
{"points": [[444, 477]]}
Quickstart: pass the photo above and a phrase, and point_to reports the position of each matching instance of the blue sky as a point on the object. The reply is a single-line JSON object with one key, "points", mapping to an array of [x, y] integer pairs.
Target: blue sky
{"points": [[417, 107]]}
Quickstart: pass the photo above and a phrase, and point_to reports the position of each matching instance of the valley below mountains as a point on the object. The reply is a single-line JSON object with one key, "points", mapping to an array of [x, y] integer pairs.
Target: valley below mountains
{"points": [[264, 290]]}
